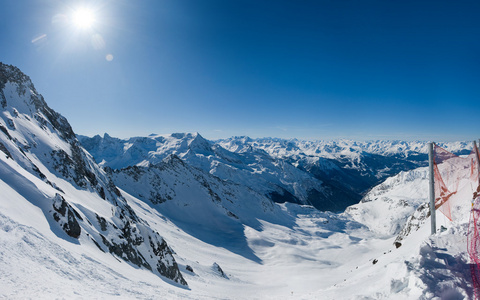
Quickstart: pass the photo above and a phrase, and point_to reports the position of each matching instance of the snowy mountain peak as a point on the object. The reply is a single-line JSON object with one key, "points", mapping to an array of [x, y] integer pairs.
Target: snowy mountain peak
{"points": [[62, 216], [19, 96], [42, 162]]}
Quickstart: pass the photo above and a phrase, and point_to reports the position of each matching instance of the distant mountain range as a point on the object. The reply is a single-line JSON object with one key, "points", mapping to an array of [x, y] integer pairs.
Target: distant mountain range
{"points": [[330, 175], [86, 215]]}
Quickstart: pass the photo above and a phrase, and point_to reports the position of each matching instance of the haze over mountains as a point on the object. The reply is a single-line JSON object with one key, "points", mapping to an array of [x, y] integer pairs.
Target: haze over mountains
{"points": [[178, 216]]}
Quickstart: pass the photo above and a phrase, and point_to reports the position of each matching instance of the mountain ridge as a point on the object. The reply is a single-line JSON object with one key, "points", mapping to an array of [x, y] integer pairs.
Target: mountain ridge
{"points": [[326, 174], [94, 232], [53, 171]]}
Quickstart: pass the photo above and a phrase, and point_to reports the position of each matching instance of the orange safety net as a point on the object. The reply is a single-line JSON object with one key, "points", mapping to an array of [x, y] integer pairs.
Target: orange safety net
{"points": [[451, 173], [473, 237], [473, 241]]}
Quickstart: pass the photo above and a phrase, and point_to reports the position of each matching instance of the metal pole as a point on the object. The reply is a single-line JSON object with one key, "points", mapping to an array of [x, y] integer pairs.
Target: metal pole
{"points": [[478, 158], [432, 188]]}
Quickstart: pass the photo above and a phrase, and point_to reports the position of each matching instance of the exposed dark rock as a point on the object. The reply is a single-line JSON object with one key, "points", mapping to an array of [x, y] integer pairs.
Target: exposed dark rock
{"points": [[101, 192], [126, 251], [129, 240], [156, 197], [135, 172], [167, 266], [98, 245], [113, 188], [3, 100], [102, 222], [11, 124], [231, 214], [219, 270], [203, 181], [39, 173], [126, 234], [414, 222], [65, 215], [5, 130], [284, 196], [5, 150]]}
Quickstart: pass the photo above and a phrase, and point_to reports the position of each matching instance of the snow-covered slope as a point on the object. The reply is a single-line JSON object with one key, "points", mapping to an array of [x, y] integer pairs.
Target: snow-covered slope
{"points": [[61, 218], [276, 179], [337, 148], [434, 267], [386, 207], [43, 164], [345, 165], [184, 193], [328, 175]]}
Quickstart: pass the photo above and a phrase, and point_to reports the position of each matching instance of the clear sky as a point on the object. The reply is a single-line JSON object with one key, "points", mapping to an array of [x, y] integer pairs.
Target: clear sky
{"points": [[307, 69]]}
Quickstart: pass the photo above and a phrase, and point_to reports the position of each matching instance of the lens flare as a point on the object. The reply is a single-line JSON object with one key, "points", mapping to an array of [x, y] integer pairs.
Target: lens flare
{"points": [[97, 41]]}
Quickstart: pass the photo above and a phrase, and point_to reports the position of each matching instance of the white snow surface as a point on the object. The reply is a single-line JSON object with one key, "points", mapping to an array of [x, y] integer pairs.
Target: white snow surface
{"points": [[143, 151], [254, 169], [269, 251], [327, 174], [386, 207], [334, 148], [301, 254]]}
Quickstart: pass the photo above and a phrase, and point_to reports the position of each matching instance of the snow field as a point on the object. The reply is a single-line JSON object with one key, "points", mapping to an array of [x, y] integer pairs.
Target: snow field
{"points": [[240, 246], [315, 255]]}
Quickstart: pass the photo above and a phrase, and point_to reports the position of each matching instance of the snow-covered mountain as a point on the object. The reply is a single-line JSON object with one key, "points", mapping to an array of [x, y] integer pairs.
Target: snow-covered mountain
{"points": [[337, 148], [386, 207], [42, 162], [185, 193], [255, 170], [328, 175], [71, 229], [346, 165]]}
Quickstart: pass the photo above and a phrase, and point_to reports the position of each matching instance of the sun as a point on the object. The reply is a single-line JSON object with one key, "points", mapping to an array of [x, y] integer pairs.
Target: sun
{"points": [[83, 18]]}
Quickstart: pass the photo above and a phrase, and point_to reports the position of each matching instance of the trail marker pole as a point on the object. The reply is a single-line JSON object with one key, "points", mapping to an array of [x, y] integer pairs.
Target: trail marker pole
{"points": [[432, 188]]}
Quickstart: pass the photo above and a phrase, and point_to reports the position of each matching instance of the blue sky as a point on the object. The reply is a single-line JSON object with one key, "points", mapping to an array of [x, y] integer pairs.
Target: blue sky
{"points": [[292, 69]]}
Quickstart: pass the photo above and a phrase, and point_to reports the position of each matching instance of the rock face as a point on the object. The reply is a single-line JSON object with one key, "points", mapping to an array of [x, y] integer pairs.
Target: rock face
{"points": [[66, 216], [275, 179], [181, 191], [35, 138], [219, 270], [414, 222]]}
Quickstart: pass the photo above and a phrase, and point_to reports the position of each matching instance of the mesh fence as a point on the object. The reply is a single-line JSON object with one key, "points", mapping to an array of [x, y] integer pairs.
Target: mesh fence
{"points": [[473, 241], [453, 173]]}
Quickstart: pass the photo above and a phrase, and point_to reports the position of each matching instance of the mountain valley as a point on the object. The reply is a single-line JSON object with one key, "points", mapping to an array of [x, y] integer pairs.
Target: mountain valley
{"points": [[178, 216]]}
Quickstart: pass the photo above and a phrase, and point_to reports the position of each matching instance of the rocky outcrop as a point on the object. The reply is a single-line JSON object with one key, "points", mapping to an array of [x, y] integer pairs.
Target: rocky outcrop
{"points": [[66, 216], [218, 270], [414, 222], [174, 182]]}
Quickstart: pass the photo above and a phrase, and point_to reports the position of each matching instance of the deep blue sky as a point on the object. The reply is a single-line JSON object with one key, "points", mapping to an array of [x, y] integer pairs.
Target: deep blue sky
{"points": [[291, 69]]}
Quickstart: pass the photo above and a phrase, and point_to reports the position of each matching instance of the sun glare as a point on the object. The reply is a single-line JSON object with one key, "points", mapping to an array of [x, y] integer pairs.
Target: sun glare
{"points": [[83, 18]]}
